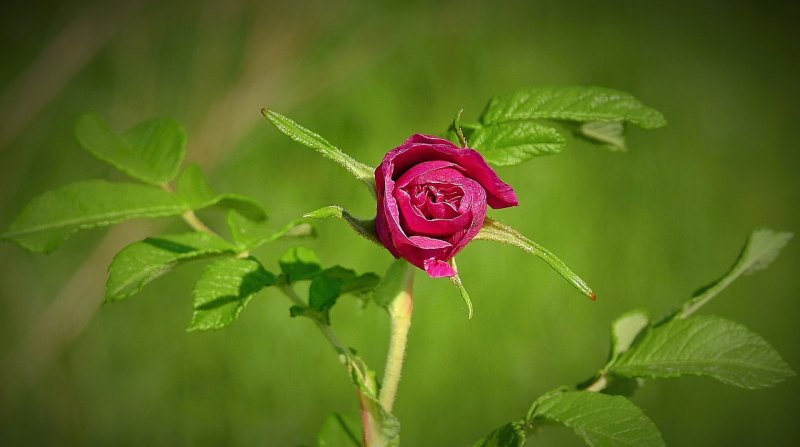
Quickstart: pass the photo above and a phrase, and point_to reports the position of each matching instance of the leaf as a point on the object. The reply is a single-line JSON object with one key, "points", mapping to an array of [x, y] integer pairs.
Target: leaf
{"points": [[194, 188], [299, 263], [509, 435], [224, 288], [493, 230], [365, 228], [250, 234], [52, 217], [571, 103], [141, 262], [600, 420], [760, 249], [300, 134], [510, 143], [330, 284], [339, 431], [396, 280], [609, 133], [625, 329], [151, 151], [704, 346]]}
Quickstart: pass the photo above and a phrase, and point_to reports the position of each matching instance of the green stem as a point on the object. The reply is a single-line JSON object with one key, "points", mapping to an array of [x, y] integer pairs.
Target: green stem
{"points": [[400, 314]]}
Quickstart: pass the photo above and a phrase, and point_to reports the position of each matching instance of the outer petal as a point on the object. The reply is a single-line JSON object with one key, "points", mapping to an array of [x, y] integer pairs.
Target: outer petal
{"points": [[437, 269]]}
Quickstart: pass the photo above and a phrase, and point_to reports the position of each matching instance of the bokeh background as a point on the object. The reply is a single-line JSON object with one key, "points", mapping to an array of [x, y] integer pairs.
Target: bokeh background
{"points": [[644, 228]]}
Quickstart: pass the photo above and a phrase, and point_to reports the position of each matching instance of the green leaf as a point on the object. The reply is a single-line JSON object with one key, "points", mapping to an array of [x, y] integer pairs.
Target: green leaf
{"points": [[364, 228], [600, 420], [625, 329], [299, 263], [704, 346], [510, 143], [224, 288], [509, 435], [609, 133], [397, 279], [761, 248], [493, 230], [571, 103], [141, 262], [194, 188], [52, 217], [300, 134], [250, 234], [456, 280], [330, 284], [339, 431], [151, 151]]}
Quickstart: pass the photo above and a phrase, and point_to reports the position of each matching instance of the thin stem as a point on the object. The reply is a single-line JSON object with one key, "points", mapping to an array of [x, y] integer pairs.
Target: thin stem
{"points": [[400, 313]]}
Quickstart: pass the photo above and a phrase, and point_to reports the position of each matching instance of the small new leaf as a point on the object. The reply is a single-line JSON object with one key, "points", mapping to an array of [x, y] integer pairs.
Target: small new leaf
{"points": [[194, 188], [704, 346], [224, 288], [760, 249], [609, 133], [511, 143], [141, 262], [397, 279], [150, 152], [624, 331], [52, 217], [600, 420], [493, 230], [250, 234], [571, 103], [509, 435], [300, 134], [364, 228]]}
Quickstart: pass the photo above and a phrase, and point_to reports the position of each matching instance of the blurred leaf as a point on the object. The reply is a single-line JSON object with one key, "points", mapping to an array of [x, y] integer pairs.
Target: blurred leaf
{"points": [[493, 230], [510, 143], [571, 103], [52, 217], [704, 346], [599, 419], [339, 431], [141, 262], [761, 248], [365, 228], [300, 134], [509, 435], [194, 188], [625, 329], [151, 151], [299, 263], [224, 288], [396, 279], [251, 234], [609, 133]]}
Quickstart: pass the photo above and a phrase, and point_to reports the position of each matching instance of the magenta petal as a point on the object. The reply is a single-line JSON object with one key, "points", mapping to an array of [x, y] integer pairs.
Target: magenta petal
{"points": [[438, 269]]}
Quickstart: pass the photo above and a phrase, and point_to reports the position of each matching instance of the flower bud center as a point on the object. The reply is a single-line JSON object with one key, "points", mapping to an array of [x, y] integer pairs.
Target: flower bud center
{"points": [[436, 200]]}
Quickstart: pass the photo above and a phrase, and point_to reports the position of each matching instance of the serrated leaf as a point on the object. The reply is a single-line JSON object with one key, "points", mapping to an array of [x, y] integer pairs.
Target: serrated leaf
{"points": [[625, 329], [339, 431], [704, 346], [600, 420], [609, 133], [510, 143], [251, 234], [331, 283], [141, 262], [52, 217], [151, 151], [571, 103], [760, 249], [300, 134], [364, 228], [493, 230], [300, 263], [194, 188], [224, 288], [396, 279], [508, 435]]}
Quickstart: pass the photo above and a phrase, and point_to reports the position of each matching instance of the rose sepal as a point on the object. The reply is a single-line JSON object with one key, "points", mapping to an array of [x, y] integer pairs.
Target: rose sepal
{"points": [[363, 227]]}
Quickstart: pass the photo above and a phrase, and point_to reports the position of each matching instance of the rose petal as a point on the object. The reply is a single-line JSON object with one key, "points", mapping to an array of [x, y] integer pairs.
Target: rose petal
{"points": [[438, 269], [415, 223]]}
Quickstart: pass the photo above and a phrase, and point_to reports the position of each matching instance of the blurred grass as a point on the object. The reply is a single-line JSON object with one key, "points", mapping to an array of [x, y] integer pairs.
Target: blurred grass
{"points": [[645, 229]]}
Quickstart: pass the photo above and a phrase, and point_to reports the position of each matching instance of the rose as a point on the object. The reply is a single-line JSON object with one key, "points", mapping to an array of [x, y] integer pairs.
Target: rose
{"points": [[432, 198]]}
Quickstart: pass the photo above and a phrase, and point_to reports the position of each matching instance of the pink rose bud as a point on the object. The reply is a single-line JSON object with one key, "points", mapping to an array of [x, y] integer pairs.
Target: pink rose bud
{"points": [[432, 198]]}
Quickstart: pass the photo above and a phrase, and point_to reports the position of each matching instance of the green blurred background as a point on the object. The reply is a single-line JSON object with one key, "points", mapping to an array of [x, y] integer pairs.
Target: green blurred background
{"points": [[645, 228]]}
